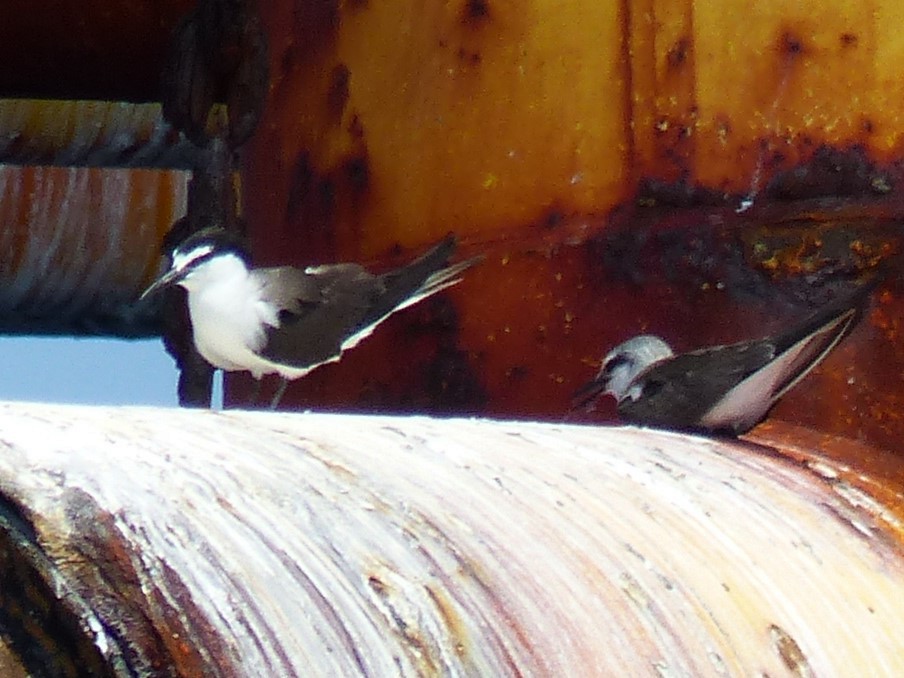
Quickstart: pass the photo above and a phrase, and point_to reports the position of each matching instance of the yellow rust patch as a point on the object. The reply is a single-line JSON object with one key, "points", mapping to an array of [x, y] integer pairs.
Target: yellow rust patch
{"points": [[789, 651], [454, 623]]}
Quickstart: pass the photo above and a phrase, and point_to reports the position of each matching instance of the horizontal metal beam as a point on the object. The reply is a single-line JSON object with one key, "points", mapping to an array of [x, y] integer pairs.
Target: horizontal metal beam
{"points": [[77, 246], [91, 134]]}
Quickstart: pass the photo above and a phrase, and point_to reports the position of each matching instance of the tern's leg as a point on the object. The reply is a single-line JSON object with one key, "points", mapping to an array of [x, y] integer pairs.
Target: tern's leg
{"points": [[283, 382]]}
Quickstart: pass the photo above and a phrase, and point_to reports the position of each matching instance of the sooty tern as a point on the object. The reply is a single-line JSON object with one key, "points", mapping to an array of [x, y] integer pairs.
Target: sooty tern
{"points": [[287, 320], [727, 389]]}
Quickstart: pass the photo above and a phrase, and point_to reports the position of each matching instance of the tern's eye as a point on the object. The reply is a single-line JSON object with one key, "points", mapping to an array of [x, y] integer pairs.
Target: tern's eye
{"points": [[616, 361]]}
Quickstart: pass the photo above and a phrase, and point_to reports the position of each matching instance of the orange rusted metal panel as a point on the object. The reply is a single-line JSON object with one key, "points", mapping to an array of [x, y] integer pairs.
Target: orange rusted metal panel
{"points": [[708, 172]]}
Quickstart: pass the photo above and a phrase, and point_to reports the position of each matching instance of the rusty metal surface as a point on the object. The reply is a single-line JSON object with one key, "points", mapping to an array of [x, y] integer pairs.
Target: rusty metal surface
{"points": [[662, 167], [852, 466], [526, 328], [271, 544]]}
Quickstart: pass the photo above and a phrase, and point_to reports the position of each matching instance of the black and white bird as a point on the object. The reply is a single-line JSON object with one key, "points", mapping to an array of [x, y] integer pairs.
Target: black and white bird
{"points": [[287, 320], [726, 389]]}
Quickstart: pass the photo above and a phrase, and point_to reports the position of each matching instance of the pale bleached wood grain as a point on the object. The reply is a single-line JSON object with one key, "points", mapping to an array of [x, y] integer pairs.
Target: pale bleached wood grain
{"points": [[313, 544]]}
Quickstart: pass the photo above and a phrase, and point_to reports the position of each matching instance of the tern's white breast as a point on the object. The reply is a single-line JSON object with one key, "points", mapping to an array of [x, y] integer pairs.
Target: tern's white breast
{"points": [[229, 318]]}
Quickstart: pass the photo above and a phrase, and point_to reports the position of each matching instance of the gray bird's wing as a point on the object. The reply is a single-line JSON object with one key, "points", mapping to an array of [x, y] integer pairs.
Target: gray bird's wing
{"points": [[288, 288], [731, 388], [797, 352], [328, 309], [677, 393], [320, 309]]}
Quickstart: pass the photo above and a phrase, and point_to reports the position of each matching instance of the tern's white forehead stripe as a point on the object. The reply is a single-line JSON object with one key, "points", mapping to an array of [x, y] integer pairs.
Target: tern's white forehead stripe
{"points": [[181, 260], [643, 350]]}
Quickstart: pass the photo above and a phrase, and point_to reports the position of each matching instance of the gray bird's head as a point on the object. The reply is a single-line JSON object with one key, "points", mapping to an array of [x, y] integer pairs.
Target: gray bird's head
{"points": [[201, 254], [626, 361]]}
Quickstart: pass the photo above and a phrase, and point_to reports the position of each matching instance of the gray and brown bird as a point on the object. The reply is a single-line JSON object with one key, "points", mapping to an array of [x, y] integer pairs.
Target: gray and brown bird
{"points": [[728, 388]]}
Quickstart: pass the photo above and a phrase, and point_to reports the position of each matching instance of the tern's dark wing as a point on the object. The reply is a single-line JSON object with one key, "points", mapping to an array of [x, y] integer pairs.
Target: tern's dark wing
{"points": [[805, 345], [291, 289], [747, 403], [732, 387], [328, 309], [802, 351], [677, 393]]}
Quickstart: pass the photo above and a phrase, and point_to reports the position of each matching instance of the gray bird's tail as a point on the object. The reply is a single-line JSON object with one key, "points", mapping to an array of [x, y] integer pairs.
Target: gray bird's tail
{"points": [[422, 278]]}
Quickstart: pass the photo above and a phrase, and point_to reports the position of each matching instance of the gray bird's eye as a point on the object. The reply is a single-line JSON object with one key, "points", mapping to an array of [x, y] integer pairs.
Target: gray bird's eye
{"points": [[616, 361]]}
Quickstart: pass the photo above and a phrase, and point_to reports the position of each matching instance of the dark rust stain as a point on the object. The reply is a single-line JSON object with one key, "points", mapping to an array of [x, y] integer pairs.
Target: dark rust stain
{"points": [[288, 62], [678, 53], [311, 204], [475, 11], [803, 262], [450, 381], [396, 251], [473, 58], [356, 127], [791, 44], [357, 173], [830, 172], [656, 192], [551, 218], [307, 190], [440, 316], [452, 385], [337, 95], [848, 39], [776, 159], [518, 372]]}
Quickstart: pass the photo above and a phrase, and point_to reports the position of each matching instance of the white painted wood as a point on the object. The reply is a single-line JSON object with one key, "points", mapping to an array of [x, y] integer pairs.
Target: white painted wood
{"points": [[273, 544]]}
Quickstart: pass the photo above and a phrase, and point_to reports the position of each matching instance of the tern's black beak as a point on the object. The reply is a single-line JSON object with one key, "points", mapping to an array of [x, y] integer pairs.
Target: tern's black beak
{"points": [[171, 277], [586, 396]]}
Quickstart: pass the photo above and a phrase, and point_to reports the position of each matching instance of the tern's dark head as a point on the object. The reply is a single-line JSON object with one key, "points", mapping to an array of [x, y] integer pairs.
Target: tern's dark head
{"points": [[627, 360], [195, 254]]}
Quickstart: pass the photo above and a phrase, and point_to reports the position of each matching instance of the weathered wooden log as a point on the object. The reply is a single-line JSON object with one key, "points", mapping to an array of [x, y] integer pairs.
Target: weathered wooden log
{"points": [[175, 542]]}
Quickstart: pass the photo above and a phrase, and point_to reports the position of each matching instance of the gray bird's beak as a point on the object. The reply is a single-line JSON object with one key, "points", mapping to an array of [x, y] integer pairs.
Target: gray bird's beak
{"points": [[171, 277], [585, 397]]}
